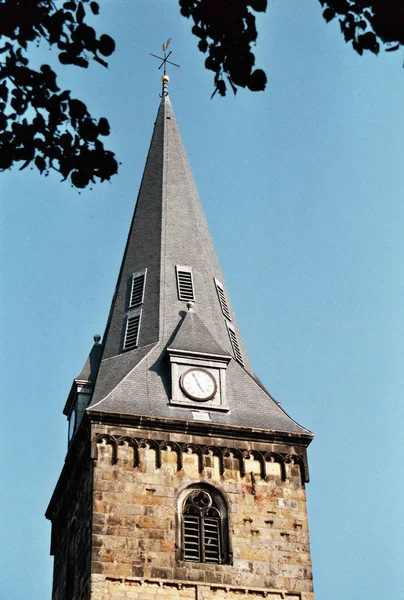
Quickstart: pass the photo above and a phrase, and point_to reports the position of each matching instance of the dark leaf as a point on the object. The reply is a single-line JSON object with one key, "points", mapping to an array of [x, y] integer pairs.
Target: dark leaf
{"points": [[257, 81], [357, 47], [349, 33], [329, 14], [69, 6], [77, 109], [106, 45], [80, 13], [80, 179], [198, 31], [40, 163], [103, 126], [3, 92], [393, 48], [221, 87], [95, 8], [211, 64], [368, 42], [258, 5], [65, 140], [203, 45], [65, 58]]}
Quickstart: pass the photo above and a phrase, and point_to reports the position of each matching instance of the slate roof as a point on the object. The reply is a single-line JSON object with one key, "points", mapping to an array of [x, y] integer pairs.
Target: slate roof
{"points": [[168, 229], [193, 336], [90, 368]]}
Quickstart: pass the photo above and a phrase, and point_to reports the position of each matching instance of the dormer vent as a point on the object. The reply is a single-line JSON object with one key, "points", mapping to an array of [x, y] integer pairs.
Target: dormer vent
{"points": [[185, 283], [132, 331], [137, 288], [222, 299], [235, 345]]}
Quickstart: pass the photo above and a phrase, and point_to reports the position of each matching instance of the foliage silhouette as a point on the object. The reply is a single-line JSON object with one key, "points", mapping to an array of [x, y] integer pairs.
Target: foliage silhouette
{"points": [[44, 126], [227, 31], [368, 24], [40, 124]]}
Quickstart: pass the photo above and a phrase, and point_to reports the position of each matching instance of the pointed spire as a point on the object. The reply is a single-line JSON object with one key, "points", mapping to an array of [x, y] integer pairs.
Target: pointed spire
{"points": [[168, 264], [169, 238]]}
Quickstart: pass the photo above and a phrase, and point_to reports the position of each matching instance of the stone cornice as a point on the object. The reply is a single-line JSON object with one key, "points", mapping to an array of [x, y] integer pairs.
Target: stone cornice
{"points": [[200, 428]]}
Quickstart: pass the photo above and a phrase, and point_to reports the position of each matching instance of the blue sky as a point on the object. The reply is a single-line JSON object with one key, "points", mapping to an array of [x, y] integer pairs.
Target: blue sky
{"points": [[302, 186]]}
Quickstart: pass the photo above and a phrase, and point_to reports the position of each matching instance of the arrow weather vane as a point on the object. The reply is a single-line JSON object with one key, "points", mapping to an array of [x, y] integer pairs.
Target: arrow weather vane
{"points": [[164, 58]]}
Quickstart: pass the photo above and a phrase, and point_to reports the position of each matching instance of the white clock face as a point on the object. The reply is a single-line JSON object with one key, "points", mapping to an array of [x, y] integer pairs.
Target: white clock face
{"points": [[198, 384]]}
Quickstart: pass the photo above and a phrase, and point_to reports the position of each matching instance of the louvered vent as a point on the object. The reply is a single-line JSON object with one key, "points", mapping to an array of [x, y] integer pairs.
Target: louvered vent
{"points": [[137, 290], [211, 539], [185, 283], [222, 299], [132, 332], [235, 344], [192, 538]]}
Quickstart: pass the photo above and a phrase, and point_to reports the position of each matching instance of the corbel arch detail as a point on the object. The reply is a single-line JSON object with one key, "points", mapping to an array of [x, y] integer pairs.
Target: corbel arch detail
{"points": [[295, 459], [105, 439], [175, 447], [202, 451], [195, 449], [215, 451], [132, 443], [276, 457], [258, 456]]}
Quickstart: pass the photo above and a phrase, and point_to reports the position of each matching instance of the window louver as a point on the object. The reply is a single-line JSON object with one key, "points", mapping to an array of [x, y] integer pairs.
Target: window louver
{"points": [[211, 539], [222, 299], [185, 284], [132, 332], [235, 344], [191, 538], [202, 538], [137, 290]]}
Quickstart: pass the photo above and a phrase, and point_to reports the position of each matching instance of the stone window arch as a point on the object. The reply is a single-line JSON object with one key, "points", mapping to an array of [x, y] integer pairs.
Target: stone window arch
{"points": [[204, 525]]}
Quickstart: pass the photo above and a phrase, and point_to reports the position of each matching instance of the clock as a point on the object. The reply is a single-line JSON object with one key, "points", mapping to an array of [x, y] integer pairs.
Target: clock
{"points": [[198, 384]]}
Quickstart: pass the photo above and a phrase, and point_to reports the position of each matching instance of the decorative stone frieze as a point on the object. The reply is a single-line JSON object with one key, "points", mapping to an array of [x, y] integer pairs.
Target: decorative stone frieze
{"points": [[222, 452]]}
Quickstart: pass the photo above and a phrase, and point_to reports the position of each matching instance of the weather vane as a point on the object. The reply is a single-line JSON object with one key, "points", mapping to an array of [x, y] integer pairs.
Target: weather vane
{"points": [[164, 63]]}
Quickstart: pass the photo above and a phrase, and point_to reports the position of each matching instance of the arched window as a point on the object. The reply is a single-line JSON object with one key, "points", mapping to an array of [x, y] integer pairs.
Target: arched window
{"points": [[204, 526]]}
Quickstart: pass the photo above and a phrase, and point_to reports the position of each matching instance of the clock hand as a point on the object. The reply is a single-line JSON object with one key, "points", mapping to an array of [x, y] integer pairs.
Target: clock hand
{"points": [[196, 379]]}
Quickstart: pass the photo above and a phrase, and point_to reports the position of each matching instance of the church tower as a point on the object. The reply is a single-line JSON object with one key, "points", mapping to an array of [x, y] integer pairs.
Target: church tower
{"points": [[184, 479]]}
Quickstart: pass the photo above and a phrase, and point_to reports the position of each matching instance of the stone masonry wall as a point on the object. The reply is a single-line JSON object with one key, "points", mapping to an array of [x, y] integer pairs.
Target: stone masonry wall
{"points": [[138, 477], [71, 535]]}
